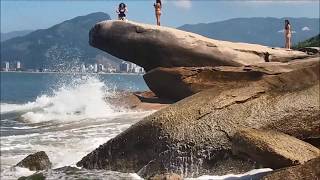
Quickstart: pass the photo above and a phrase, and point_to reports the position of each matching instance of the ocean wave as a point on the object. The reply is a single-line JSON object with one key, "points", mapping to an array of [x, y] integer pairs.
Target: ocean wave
{"points": [[84, 98]]}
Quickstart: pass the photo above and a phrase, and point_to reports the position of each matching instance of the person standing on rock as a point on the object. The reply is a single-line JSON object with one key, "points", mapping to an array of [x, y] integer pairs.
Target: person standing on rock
{"points": [[157, 7], [287, 33], [122, 9]]}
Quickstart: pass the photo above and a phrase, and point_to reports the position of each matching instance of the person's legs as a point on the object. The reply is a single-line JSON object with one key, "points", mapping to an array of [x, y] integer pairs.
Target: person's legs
{"points": [[289, 42], [286, 42], [158, 19]]}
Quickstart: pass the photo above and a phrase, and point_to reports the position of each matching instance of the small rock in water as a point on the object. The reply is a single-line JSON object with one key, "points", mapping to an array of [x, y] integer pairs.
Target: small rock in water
{"points": [[37, 176], [36, 161]]}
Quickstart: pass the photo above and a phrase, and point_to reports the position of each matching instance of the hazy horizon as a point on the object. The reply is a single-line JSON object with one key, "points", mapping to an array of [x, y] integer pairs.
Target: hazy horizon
{"points": [[33, 15]]}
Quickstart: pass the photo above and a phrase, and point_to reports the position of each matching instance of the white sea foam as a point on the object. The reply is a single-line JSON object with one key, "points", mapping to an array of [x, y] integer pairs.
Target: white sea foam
{"points": [[233, 176], [82, 99]]}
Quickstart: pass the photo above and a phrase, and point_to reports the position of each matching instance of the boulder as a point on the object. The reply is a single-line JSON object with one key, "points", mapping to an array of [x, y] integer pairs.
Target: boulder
{"points": [[309, 170], [185, 81], [35, 176], [152, 46], [35, 162], [193, 136], [272, 149]]}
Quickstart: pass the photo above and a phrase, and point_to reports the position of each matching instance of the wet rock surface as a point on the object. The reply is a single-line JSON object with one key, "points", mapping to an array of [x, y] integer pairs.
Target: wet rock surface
{"points": [[36, 176], [272, 149], [36, 161], [74, 173]]}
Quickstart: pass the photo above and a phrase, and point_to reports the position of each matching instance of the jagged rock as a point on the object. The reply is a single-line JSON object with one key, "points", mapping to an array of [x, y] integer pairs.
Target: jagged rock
{"points": [[194, 134], [308, 171], [272, 149], [185, 81], [36, 161], [152, 46]]}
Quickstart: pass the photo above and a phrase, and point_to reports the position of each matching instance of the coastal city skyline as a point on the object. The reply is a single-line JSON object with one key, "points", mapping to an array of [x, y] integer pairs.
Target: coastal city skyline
{"points": [[123, 67], [183, 11]]}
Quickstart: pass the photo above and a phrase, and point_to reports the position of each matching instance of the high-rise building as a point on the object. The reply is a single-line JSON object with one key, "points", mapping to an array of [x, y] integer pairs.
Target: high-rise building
{"points": [[100, 68], [112, 70], [124, 67], [18, 65], [7, 66], [83, 68], [132, 67], [95, 68], [90, 68]]}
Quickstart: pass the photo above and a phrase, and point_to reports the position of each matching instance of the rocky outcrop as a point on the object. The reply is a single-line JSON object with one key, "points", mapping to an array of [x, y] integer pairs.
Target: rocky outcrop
{"points": [[272, 149], [36, 161], [157, 46], [309, 170], [186, 81], [239, 90], [193, 136]]}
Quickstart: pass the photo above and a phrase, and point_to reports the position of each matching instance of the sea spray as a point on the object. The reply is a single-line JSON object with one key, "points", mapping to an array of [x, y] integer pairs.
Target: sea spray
{"points": [[83, 98]]}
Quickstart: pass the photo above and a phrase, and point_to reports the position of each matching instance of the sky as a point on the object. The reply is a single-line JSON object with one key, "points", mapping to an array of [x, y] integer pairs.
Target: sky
{"points": [[35, 14]]}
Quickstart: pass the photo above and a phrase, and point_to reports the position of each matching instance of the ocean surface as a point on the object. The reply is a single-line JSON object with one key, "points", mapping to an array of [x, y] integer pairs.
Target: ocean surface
{"points": [[67, 116]]}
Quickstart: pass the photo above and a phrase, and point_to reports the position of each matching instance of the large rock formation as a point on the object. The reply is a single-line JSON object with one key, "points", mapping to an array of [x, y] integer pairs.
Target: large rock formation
{"points": [[193, 136], [36, 161], [153, 46], [185, 81], [308, 171], [272, 149]]}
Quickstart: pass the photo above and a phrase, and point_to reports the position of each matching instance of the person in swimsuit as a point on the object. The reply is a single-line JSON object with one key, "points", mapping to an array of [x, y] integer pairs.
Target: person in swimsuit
{"points": [[287, 34], [122, 9], [157, 7]]}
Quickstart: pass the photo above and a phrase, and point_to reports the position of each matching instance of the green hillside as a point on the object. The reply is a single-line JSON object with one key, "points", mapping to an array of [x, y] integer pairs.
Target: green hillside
{"points": [[312, 42], [61, 45]]}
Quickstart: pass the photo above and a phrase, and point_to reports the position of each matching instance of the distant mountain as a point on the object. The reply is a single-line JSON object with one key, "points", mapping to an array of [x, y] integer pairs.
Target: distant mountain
{"points": [[265, 31], [13, 34], [58, 46], [312, 42]]}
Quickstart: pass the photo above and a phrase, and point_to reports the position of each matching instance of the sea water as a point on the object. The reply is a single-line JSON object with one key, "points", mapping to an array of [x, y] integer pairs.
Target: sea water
{"points": [[65, 115]]}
